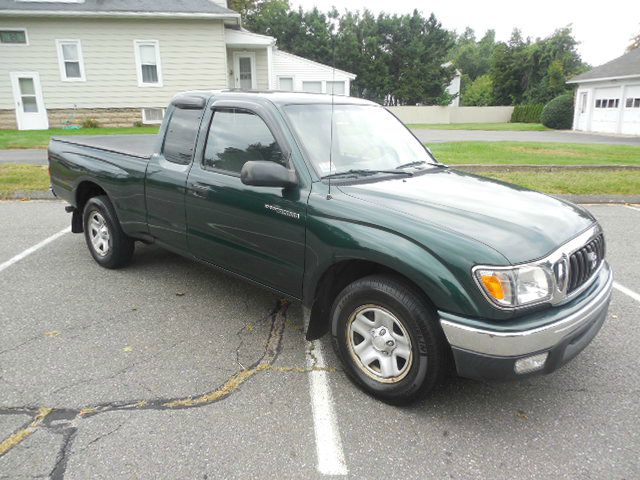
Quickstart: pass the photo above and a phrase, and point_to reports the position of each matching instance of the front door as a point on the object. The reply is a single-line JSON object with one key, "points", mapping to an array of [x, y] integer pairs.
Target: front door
{"points": [[257, 232], [244, 70], [27, 97]]}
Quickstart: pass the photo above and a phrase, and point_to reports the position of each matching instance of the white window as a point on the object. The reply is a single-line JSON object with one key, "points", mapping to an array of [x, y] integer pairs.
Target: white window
{"points": [[13, 36], [70, 60], [583, 102], [285, 83], [152, 115], [148, 63], [313, 87], [336, 88]]}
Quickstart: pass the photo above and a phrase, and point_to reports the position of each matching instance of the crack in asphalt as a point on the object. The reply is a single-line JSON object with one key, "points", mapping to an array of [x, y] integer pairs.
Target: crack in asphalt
{"points": [[64, 421]]}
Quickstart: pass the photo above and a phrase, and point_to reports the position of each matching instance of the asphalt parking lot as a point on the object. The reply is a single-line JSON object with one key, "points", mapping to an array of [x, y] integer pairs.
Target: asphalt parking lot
{"points": [[168, 369]]}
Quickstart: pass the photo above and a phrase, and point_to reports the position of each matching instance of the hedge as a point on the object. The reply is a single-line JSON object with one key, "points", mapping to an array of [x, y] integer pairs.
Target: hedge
{"points": [[558, 113], [528, 113]]}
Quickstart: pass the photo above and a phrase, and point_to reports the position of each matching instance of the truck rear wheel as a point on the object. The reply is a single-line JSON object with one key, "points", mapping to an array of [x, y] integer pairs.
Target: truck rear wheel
{"points": [[108, 244], [388, 339]]}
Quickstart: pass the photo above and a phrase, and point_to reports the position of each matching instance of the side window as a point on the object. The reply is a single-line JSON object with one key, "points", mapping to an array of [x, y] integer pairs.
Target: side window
{"points": [[180, 139], [237, 137]]}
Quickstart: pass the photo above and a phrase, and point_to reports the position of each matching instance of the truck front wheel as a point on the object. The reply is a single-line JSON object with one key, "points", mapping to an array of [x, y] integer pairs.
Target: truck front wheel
{"points": [[108, 244], [387, 336]]}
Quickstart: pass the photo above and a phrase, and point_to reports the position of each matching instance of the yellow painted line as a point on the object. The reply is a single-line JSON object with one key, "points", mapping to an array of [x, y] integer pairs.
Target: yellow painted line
{"points": [[20, 435]]}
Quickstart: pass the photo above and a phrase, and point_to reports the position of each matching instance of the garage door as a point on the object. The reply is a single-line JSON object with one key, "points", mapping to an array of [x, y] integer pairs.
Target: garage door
{"points": [[631, 111], [606, 111]]}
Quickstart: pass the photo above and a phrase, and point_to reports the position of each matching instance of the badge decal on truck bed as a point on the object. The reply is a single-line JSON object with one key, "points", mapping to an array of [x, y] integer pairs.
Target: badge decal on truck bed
{"points": [[282, 211]]}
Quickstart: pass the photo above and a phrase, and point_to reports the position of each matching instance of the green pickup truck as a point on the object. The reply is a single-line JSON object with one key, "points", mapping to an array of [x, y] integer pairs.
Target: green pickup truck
{"points": [[415, 268]]}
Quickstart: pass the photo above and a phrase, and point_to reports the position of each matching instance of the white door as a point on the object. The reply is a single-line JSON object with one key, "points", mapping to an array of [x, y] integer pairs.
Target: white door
{"points": [[631, 112], [27, 96], [606, 110], [244, 69], [582, 110]]}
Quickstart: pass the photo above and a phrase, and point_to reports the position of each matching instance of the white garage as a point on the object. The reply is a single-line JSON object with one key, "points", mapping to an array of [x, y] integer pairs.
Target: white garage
{"points": [[608, 97]]}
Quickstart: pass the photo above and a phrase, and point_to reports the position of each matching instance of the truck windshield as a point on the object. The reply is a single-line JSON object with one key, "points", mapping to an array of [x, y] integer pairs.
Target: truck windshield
{"points": [[365, 138]]}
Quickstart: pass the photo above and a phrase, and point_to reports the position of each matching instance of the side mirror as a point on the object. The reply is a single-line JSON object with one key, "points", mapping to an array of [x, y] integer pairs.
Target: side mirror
{"points": [[267, 174]]}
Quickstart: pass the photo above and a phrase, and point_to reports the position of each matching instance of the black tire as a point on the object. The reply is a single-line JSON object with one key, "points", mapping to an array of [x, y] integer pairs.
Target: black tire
{"points": [[430, 353], [119, 247]]}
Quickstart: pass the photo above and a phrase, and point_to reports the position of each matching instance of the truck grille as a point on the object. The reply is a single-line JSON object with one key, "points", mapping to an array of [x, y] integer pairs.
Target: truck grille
{"points": [[584, 262]]}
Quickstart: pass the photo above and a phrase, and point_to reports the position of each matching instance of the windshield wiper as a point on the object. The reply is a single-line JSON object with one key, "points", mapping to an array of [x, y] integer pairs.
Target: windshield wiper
{"points": [[356, 172], [419, 162]]}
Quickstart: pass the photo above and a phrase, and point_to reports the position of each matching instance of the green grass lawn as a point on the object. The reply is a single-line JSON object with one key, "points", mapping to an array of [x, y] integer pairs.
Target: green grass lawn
{"points": [[40, 138], [520, 127], [25, 178], [584, 182], [537, 153]]}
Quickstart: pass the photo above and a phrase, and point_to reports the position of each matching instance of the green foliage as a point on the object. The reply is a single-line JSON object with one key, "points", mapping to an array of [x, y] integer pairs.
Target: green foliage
{"points": [[90, 123], [398, 59], [480, 92], [635, 43], [471, 57], [527, 113], [526, 71], [558, 113]]}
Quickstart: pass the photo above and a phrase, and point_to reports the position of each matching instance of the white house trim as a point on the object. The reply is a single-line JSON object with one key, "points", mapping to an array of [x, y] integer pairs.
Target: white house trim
{"points": [[270, 72], [61, 60], [15, 29], [136, 47], [246, 39], [604, 79]]}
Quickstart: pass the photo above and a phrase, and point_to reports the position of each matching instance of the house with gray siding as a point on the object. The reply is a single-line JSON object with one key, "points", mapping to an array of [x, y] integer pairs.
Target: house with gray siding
{"points": [[119, 62]]}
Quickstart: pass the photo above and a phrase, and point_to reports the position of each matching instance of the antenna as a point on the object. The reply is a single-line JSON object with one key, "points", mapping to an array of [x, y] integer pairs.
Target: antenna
{"points": [[333, 84]]}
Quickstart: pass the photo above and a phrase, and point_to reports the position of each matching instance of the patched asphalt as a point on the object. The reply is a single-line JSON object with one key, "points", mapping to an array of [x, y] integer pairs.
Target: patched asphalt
{"points": [[170, 369]]}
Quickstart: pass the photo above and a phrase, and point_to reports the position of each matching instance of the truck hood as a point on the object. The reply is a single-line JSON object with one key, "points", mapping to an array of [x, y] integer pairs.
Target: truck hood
{"points": [[520, 224]]}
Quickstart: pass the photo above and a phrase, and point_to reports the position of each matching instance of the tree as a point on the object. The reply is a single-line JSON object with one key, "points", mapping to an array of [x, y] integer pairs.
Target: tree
{"points": [[635, 43], [534, 71], [479, 92], [471, 57]]}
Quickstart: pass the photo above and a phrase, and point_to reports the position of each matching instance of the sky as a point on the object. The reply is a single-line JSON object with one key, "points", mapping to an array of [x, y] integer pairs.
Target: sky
{"points": [[604, 29]]}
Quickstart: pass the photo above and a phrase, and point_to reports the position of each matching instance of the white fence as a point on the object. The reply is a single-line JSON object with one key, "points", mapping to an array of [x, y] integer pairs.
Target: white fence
{"points": [[412, 114]]}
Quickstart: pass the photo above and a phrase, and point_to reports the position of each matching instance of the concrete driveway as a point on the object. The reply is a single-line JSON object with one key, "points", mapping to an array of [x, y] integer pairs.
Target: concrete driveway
{"points": [[169, 369], [439, 136]]}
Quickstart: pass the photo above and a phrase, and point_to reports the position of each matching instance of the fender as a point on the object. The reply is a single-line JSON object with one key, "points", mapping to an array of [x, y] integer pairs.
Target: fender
{"points": [[393, 251]]}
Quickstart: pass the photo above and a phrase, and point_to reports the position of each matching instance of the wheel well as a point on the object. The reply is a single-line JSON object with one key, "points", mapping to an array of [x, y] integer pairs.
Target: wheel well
{"points": [[84, 192], [333, 281]]}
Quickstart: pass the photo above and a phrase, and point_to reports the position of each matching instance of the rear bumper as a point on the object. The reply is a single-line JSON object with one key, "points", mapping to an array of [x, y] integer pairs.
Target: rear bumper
{"points": [[560, 333]]}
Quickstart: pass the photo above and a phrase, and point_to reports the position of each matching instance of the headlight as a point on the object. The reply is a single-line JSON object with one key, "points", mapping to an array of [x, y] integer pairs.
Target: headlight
{"points": [[516, 286]]}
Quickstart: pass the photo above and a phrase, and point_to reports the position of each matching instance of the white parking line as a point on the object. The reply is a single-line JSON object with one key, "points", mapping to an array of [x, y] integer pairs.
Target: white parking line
{"points": [[328, 443], [35, 248], [632, 208], [627, 291]]}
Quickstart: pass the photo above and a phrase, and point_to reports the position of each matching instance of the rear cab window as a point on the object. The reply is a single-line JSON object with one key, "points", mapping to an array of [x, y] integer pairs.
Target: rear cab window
{"points": [[180, 139]]}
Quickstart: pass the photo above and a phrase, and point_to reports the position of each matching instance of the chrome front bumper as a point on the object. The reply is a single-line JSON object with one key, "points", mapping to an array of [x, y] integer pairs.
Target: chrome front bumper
{"points": [[568, 328]]}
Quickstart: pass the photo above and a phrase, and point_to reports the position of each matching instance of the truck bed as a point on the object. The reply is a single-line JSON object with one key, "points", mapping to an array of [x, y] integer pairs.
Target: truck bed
{"points": [[141, 146]]}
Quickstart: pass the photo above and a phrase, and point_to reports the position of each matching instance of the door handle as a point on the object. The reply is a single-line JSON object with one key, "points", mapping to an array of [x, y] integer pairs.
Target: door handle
{"points": [[199, 190]]}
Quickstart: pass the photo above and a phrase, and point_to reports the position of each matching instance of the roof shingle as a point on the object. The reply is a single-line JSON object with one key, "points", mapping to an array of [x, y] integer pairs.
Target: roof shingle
{"points": [[120, 6], [625, 66]]}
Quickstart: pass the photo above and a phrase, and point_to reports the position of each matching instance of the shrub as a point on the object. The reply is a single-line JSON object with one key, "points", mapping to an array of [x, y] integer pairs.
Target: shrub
{"points": [[479, 93], [558, 113], [90, 123], [138, 124], [528, 113]]}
